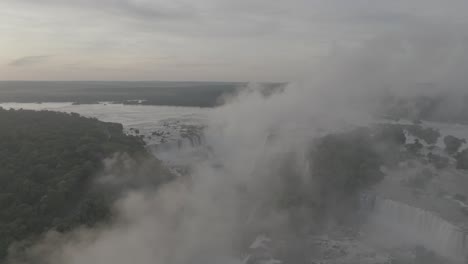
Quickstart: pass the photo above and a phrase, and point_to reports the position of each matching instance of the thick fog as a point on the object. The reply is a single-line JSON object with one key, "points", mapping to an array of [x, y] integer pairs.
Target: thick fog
{"points": [[254, 141]]}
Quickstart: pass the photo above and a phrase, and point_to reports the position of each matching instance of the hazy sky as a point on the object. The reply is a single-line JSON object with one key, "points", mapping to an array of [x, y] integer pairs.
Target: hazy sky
{"points": [[234, 40]]}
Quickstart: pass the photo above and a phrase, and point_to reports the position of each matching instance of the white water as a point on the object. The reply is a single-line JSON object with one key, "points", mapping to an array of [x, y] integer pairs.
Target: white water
{"points": [[171, 120], [415, 226]]}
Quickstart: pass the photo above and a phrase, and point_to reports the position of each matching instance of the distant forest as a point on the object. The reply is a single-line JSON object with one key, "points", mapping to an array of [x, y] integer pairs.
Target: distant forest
{"points": [[49, 162], [198, 94], [195, 94], [438, 107]]}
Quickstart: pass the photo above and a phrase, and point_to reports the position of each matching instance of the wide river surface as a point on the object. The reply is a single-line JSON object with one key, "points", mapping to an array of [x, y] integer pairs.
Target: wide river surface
{"points": [[146, 118]]}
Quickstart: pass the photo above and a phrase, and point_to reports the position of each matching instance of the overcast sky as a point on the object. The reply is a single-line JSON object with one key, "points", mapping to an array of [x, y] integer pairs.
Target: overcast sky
{"points": [[231, 40]]}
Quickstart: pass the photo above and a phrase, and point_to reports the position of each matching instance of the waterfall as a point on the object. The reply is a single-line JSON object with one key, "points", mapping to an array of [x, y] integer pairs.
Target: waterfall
{"points": [[190, 141], [418, 227], [185, 143]]}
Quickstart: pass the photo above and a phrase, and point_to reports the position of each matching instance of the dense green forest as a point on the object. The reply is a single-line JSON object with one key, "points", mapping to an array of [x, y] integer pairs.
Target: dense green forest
{"points": [[48, 166]]}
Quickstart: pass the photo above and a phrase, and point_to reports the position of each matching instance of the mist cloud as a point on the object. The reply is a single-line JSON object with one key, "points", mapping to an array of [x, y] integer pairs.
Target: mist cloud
{"points": [[29, 60], [228, 197], [207, 217], [212, 214], [260, 35]]}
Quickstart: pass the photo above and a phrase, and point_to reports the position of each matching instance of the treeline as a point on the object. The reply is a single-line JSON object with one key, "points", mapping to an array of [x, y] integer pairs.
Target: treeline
{"points": [[48, 164], [194, 94], [439, 107]]}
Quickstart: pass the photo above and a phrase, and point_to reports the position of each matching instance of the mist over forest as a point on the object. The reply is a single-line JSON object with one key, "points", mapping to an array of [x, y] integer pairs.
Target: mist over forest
{"points": [[270, 175], [354, 152]]}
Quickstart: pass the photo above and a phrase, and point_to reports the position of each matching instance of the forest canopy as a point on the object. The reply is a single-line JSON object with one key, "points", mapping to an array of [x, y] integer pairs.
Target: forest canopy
{"points": [[48, 165]]}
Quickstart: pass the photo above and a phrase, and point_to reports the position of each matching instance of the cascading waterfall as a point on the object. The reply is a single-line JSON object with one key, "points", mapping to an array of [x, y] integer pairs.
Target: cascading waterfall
{"points": [[190, 142], [182, 144], [418, 227]]}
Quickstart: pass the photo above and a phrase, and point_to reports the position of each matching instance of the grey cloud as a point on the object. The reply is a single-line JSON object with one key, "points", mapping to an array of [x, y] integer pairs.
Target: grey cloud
{"points": [[240, 31], [29, 60], [126, 8], [151, 11], [197, 65], [257, 18]]}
